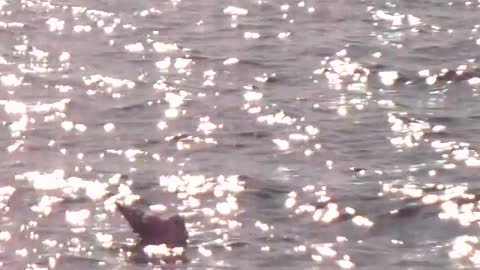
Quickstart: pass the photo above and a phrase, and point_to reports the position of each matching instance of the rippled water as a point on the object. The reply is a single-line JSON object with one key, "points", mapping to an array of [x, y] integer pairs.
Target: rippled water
{"points": [[289, 134]]}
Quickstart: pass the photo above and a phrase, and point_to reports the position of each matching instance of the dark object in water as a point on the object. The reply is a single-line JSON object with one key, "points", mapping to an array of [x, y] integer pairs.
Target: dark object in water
{"points": [[153, 230]]}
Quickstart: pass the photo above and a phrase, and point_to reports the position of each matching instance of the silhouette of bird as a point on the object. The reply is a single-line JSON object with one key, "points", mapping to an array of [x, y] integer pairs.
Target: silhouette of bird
{"points": [[153, 230]]}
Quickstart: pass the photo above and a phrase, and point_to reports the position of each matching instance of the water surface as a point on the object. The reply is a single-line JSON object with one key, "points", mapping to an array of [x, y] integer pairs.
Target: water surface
{"points": [[291, 134]]}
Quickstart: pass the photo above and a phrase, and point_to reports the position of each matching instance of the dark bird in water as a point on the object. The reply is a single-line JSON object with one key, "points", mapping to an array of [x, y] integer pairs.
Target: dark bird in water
{"points": [[153, 230]]}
